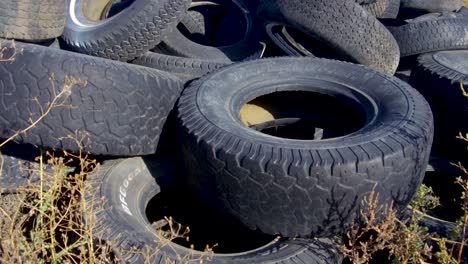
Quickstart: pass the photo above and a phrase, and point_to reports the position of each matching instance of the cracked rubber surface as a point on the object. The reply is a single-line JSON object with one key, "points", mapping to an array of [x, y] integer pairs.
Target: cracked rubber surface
{"points": [[343, 25], [127, 186], [31, 20], [184, 68], [441, 33], [128, 34], [121, 107], [301, 187], [437, 76]]}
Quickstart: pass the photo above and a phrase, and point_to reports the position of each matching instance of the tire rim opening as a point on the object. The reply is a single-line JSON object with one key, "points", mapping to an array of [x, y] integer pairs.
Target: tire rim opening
{"points": [[95, 11], [206, 227], [302, 44], [212, 21], [303, 115]]}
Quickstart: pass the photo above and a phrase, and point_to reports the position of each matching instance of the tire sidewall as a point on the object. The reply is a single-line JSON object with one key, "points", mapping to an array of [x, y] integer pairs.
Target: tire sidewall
{"points": [[128, 185]]}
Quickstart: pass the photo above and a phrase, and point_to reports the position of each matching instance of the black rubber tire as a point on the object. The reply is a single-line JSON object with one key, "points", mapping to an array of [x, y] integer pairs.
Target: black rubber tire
{"points": [[175, 43], [441, 33], [438, 76], [365, 1], [301, 187], [184, 68], [17, 173], [392, 9], [194, 22], [337, 24], [32, 21], [383, 8], [285, 42], [128, 185], [126, 35], [122, 107], [432, 6]]}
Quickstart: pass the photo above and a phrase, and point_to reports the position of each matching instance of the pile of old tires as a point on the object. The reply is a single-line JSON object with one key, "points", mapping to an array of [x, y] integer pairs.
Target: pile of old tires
{"points": [[286, 146]]}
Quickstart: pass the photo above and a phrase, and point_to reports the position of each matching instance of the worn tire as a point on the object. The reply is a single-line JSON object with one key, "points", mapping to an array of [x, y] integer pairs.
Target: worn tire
{"points": [[438, 76], [128, 185], [432, 6], [337, 24], [120, 107], [365, 1], [175, 43], [301, 187], [126, 35], [32, 21], [17, 173], [440, 33], [184, 68], [383, 8]]}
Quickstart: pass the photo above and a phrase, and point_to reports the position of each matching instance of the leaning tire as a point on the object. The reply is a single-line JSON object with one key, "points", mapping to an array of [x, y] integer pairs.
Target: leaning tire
{"points": [[126, 35], [303, 187], [438, 77], [440, 33], [337, 24], [119, 108], [30, 20], [127, 186]]}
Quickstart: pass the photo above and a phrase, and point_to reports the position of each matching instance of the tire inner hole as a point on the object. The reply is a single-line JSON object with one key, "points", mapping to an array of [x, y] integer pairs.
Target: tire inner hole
{"points": [[98, 10], [207, 24], [303, 115], [207, 228]]}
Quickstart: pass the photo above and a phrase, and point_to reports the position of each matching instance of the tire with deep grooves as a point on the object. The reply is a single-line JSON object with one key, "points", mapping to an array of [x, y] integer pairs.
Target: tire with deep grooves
{"points": [[119, 108], [184, 68], [337, 24], [301, 187], [128, 34], [431, 35], [128, 185], [30, 20]]}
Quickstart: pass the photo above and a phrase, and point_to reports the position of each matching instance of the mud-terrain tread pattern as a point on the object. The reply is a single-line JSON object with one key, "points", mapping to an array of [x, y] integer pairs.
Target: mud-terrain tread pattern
{"points": [[184, 68], [341, 25], [140, 34], [432, 35], [303, 179], [111, 230], [30, 20], [122, 107]]}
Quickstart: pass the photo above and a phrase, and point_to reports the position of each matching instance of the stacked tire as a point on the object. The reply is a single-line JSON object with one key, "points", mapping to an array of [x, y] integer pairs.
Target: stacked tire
{"points": [[176, 96]]}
